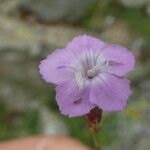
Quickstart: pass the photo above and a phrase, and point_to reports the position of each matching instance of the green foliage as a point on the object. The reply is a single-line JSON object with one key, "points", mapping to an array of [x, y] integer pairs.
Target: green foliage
{"points": [[14, 124], [137, 19]]}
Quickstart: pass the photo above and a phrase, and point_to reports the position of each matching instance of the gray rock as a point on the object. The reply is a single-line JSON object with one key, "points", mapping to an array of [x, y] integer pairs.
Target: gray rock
{"points": [[32, 38], [144, 144], [140, 73], [148, 9], [116, 32], [51, 124], [137, 46], [135, 3], [9, 7], [56, 10]]}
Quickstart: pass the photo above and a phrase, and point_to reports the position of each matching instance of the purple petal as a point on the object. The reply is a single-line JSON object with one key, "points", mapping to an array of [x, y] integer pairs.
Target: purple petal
{"points": [[109, 92], [120, 60], [85, 43], [55, 68], [71, 101]]}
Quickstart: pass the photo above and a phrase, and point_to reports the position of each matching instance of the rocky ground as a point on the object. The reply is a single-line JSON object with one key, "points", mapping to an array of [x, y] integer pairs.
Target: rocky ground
{"points": [[29, 32]]}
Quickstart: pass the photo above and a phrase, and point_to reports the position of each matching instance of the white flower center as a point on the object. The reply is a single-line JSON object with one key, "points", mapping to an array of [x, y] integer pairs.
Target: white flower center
{"points": [[87, 67], [92, 72]]}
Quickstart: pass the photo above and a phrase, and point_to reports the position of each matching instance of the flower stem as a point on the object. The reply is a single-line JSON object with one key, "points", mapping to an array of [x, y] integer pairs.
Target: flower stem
{"points": [[93, 120], [96, 142]]}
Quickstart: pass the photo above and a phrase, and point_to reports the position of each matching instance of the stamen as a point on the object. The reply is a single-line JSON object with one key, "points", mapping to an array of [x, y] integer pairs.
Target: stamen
{"points": [[87, 66], [92, 72]]}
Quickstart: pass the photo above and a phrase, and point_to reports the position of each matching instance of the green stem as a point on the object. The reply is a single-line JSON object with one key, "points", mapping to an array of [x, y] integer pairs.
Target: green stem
{"points": [[93, 121], [96, 141]]}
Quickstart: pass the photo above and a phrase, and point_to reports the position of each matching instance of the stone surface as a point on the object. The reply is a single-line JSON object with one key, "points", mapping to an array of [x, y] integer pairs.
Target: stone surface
{"points": [[51, 124], [33, 38], [117, 33], [56, 10], [9, 7], [148, 9], [137, 46], [135, 3], [140, 73]]}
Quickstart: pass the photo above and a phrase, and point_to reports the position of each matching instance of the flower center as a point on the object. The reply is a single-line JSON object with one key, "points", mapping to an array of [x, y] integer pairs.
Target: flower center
{"points": [[86, 67], [91, 73]]}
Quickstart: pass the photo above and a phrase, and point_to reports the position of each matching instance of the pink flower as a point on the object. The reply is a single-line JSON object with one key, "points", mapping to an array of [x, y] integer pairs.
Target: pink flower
{"points": [[89, 73]]}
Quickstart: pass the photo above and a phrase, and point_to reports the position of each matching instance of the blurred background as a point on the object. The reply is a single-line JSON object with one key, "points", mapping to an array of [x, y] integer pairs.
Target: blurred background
{"points": [[31, 29]]}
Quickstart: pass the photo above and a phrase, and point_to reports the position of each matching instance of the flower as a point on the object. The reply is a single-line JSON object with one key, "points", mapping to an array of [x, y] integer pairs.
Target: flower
{"points": [[89, 73]]}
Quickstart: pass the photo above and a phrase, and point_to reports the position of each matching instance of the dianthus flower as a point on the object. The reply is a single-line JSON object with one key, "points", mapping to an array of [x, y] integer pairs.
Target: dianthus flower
{"points": [[89, 73]]}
